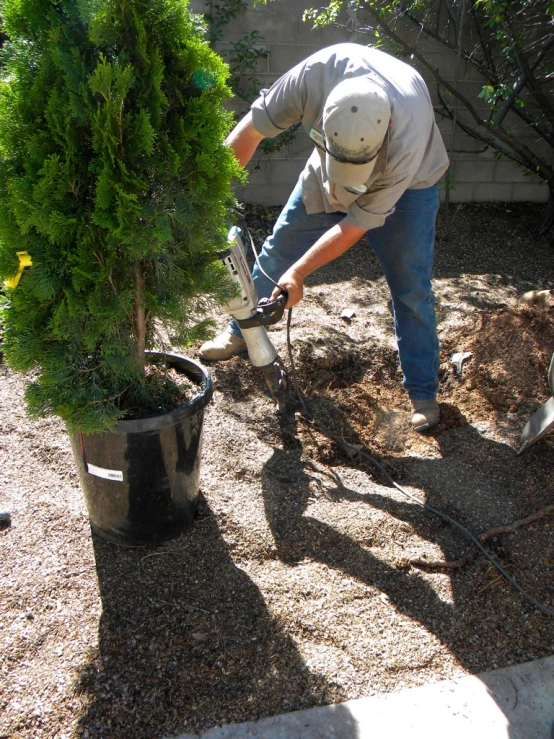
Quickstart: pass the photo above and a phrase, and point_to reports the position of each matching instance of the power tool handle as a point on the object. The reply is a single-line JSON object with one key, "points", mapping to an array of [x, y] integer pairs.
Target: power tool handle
{"points": [[268, 312]]}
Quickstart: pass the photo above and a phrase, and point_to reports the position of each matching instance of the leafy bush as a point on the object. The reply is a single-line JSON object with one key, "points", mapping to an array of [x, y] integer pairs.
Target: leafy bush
{"points": [[115, 180]]}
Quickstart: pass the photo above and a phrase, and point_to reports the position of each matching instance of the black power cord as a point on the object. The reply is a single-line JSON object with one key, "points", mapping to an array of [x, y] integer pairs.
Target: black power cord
{"points": [[307, 415]]}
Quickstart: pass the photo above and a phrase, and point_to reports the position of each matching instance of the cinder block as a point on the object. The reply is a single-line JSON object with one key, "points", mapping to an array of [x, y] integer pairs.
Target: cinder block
{"points": [[300, 148], [285, 171], [472, 170], [266, 80], [464, 146], [475, 173], [322, 37], [445, 62], [261, 65], [473, 74], [541, 148], [199, 6], [493, 192], [283, 57], [444, 125], [460, 192], [471, 89], [426, 74], [530, 192], [486, 153], [364, 38], [277, 23], [431, 86], [536, 145], [263, 194], [238, 106], [522, 135], [233, 30], [508, 171], [411, 33], [258, 172]]}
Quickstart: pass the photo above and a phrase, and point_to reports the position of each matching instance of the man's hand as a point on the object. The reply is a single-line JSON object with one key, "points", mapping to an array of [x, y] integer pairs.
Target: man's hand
{"points": [[293, 282], [331, 245]]}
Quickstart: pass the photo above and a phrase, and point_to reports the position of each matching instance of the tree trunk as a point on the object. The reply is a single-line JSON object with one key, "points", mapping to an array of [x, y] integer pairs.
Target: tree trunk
{"points": [[140, 316]]}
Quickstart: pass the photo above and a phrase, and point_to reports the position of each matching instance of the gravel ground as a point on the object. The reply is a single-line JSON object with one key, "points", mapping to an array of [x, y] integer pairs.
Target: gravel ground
{"points": [[307, 577]]}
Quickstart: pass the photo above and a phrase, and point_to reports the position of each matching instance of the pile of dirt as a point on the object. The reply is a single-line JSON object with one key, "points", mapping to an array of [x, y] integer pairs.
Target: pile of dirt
{"points": [[305, 578], [493, 371]]}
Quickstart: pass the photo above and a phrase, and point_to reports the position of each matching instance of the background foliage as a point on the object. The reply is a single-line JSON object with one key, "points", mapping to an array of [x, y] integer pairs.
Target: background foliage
{"points": [[510, 44], [243, 57]]}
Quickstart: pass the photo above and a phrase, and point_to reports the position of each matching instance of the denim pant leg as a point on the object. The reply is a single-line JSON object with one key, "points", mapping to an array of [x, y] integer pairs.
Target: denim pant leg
{"points": [[293, 234], [404, 246]]}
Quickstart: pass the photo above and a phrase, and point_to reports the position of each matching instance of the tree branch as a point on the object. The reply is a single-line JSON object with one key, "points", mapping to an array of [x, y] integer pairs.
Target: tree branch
{"points": [[523, 156], [527, 157], [467, 56], [534, 86], [522, 56], [489, 70], [487, 54]]}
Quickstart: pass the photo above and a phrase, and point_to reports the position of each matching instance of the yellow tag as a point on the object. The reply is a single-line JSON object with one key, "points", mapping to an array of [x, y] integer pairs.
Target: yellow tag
{"points": [[24, 261]]}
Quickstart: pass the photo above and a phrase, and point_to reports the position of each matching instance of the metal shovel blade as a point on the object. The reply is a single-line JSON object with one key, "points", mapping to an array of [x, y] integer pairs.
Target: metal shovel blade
{"points": [[539, 425]]}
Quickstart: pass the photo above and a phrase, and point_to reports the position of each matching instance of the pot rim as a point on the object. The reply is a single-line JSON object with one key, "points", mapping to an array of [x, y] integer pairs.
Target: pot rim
{"points": [[197, 373]]}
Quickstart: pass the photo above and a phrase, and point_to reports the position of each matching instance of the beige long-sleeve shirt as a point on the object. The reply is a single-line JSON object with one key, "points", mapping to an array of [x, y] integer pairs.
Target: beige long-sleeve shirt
{"points": [[413, 157]]}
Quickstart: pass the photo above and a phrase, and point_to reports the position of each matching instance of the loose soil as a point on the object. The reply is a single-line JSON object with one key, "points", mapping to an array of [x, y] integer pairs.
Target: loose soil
{"points": [[302, 582]]}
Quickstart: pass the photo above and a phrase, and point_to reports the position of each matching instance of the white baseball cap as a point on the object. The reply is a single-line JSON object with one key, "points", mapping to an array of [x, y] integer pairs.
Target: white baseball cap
{"points": [[355, 122]]}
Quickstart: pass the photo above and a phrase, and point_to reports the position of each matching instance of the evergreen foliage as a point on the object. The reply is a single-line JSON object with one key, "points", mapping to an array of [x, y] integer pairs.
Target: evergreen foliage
{"points": [[115, 179]]}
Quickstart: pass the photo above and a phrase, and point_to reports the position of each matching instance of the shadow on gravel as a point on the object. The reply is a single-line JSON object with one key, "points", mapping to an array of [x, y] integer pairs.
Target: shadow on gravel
{"points": [[480, 483], [299, 536], [185, 639]]}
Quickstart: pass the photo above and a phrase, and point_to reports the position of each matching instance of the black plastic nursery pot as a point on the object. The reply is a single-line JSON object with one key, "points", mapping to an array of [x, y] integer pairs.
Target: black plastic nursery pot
{"points": [[141, 481]]}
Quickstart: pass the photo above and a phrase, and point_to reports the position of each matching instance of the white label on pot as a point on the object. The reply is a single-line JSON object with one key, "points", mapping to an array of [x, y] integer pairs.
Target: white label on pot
{"points": [[106, 474]]}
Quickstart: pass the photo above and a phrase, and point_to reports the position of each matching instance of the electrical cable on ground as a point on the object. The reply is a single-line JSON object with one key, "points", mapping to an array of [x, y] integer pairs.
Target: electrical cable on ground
{"points": [[308, 416]]}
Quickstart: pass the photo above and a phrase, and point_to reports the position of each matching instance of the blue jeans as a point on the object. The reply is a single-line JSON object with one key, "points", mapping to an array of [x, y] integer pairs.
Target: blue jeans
{"points": [[404, 247]]}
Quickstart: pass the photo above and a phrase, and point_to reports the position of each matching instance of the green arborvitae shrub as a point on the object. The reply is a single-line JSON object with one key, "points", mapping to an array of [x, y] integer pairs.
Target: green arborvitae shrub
{"points": [[115, 180]]}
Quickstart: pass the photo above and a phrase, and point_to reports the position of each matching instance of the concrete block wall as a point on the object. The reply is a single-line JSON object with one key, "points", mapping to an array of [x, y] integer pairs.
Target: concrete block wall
{"points": [[475, 175]]}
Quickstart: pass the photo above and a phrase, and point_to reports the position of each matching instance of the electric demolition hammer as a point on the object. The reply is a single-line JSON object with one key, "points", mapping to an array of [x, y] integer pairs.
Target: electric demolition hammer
{"points": [[252, 316]]}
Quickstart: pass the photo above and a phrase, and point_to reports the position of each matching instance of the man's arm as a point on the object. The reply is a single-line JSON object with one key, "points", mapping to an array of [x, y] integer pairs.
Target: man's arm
{"points": [[331, 245], [244, 139]]}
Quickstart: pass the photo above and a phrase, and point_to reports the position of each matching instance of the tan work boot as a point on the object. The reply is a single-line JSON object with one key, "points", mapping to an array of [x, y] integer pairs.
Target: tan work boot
{"points": [[224, 346], [426, 414]]}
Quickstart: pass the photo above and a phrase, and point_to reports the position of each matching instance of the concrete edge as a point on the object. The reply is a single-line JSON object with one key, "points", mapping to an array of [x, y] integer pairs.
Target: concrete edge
{"points": [[511, 703]]}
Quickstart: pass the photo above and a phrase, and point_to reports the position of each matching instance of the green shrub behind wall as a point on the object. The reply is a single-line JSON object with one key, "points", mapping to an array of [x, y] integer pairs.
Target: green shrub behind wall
{"points": [[115, 180]]}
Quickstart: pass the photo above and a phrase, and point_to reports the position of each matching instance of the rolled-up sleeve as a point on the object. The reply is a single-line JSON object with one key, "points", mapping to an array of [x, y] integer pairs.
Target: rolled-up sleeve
{"points": [[282, 105], [372, 209]]}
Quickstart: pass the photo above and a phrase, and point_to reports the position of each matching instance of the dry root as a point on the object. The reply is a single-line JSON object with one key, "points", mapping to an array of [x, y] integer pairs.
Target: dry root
{"points": [[490, 534]]}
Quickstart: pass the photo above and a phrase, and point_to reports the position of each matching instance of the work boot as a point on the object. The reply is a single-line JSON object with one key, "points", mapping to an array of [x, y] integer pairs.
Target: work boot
{"points": [[426, 414], [224, 346]]}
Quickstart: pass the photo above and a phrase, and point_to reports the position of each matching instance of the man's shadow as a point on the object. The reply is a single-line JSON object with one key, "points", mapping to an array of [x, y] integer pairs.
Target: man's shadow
{"points": [[455, 622], [186, 642], [299, 536]]}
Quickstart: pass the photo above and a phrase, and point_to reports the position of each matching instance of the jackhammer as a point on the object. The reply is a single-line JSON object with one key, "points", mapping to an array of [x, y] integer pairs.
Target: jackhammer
{"points": [[252, 316]]}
